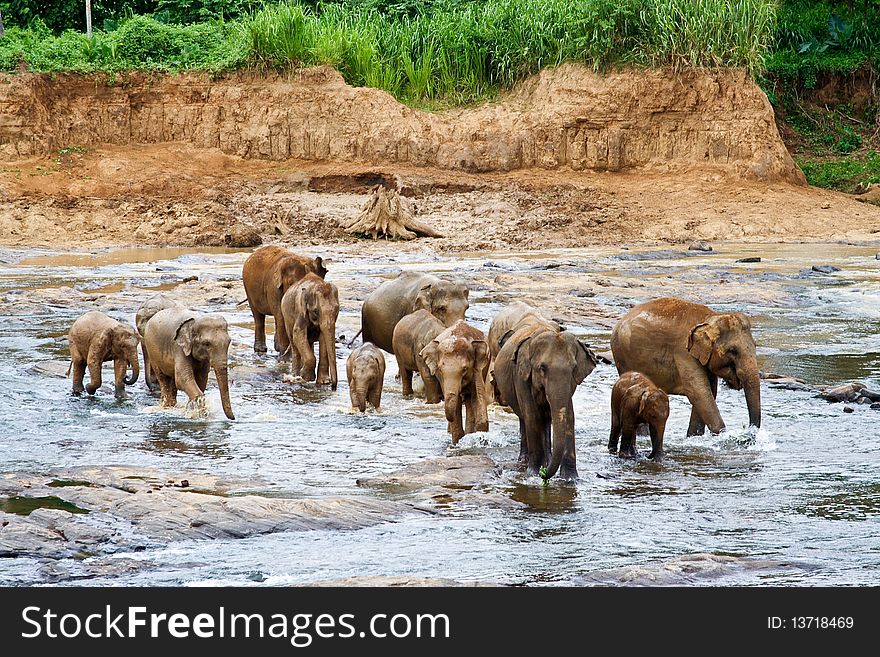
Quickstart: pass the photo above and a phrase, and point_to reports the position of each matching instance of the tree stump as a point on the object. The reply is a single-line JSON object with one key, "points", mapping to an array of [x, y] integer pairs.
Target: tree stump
{"points": [[384, 215]]}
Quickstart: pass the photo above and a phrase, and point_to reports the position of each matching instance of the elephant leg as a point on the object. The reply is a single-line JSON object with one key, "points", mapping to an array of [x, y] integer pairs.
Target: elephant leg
{"points": [[470, 405], [696, 426], [94, 375], [628, 439], [306, 351], [185, 379], [200, 373], [523, 443], [149, 377], [259, 332], [704, 405], [79, 371], [535, 435], [615, 433], [374, 396], [656, 444], [168, 391], [323, 365], [405, 380], [433, 391]]}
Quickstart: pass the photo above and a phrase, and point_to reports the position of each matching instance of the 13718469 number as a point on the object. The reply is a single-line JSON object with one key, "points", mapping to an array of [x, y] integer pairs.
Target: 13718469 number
{"points": [[821, 622]]}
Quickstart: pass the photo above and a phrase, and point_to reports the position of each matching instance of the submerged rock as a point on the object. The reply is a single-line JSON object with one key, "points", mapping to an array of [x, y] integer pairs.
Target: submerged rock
{"points": [[751, 259], [454, 471], [700, 246], [825, 269]]}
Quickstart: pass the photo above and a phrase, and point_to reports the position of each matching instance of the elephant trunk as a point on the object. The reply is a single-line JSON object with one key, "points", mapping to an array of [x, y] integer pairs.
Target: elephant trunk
{"points": [[563, 454], [751, 383], [328, 340], [222, 374], [135, 370], [359, 400]]}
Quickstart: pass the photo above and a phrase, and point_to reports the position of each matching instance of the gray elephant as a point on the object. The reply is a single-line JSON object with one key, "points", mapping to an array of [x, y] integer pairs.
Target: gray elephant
{"points": [[537, 372], [149, 308], [95, 339], [507, 319], [459, 359], [310, 308], [184, 346], [412, 334], [365, 369], [685, 348], [635, 400], [410, 291]]}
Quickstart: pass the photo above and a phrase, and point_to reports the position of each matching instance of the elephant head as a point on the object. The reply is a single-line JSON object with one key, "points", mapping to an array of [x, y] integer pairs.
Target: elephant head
{"points": [[555, 364], [206, 339], [291, 269], [459, 357], [724, 345], [447, 301], [120, 342]]}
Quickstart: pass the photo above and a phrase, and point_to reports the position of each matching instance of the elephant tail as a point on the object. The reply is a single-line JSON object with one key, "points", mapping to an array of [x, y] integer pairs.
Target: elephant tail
{"points": [[242, 302], [69, 367], [351, 342]]}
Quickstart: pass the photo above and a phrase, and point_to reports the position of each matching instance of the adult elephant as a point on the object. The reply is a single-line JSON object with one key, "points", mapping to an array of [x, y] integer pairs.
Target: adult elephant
{"points": [[267, 274], [409, 292], [149, 308], [684, 348], [537, 371], [184, 346]]}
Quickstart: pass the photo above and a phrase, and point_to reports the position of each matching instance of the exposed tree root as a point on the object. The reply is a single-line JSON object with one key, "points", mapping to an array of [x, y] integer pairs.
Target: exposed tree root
{"points": [[384, 215]]}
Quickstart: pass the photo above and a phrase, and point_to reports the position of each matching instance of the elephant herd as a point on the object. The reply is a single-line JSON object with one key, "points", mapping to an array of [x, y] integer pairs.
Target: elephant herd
{"points": [[527, 362]]}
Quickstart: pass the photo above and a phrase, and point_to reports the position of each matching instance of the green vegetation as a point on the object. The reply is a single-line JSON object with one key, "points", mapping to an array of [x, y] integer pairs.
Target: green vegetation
{"points": [[434, 53], [845, 174]]}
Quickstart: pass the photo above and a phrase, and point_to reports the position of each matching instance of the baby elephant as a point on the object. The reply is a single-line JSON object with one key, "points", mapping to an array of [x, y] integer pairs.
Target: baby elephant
{"points": [[635, 400], [310, 308], [366, 375], [459, 359], [96, 338], [412, 334]]}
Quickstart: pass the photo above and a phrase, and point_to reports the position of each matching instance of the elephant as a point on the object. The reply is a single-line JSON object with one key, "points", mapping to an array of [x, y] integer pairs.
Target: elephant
{"points": [[149, 308], [411, 335], [506, 320], [685, 348], [537, 371], [184, 346], [410, 291], [94, 339], [459, 359], [365, 369], [310, 309], [267, 275], [635, 400]]}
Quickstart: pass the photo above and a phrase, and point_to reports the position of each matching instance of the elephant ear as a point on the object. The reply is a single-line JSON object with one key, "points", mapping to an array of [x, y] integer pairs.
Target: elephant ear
{"points": [[184, 336], [431, 355], [522, 359], [102, 344], [320, 269], [643, 400], [701, 341], [423, 300], [586, 362], [481, 354], [504, 338], [278, 280]]}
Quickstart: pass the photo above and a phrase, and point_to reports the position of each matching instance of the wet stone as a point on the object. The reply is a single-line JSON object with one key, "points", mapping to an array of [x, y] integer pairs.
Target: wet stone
{"points": [[825, 269], [700, 246], [848, 409], [753, 259]]}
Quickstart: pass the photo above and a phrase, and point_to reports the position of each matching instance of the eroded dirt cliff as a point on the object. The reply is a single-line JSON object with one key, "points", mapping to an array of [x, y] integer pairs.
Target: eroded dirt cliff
{"points": [[566, 117]]}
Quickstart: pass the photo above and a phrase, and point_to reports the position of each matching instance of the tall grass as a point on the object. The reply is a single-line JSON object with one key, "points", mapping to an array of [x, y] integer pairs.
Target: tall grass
{"points": [[454, 51]]}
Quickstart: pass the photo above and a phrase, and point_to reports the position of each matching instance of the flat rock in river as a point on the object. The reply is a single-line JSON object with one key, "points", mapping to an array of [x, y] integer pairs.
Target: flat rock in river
{"points": [[451, 472]]}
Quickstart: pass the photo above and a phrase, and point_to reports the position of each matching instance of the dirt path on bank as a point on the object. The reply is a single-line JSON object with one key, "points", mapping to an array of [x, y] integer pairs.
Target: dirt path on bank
{"points": [[179, 194]]}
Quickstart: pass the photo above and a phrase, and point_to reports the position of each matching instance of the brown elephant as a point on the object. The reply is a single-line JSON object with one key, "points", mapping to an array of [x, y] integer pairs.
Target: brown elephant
{"points": [[267, 275], [412, 334], [635, 400], [685, 348], [410, 291], [507, 319], [310, 309], [365, 369], [537, 372], [459, 359], [149, 308], [184, 347], [95, 339]]}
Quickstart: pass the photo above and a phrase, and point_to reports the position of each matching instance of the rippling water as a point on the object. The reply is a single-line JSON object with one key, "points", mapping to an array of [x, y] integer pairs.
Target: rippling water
{"points": [[795, 503]]}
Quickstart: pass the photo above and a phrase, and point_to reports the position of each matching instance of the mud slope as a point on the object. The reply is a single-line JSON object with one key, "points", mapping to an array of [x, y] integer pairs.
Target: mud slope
{"points": [[567, 117]]}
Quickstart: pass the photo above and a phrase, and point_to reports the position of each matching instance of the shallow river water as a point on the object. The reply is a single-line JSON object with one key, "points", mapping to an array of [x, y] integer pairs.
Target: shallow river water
{"points": [[797, 503]]}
